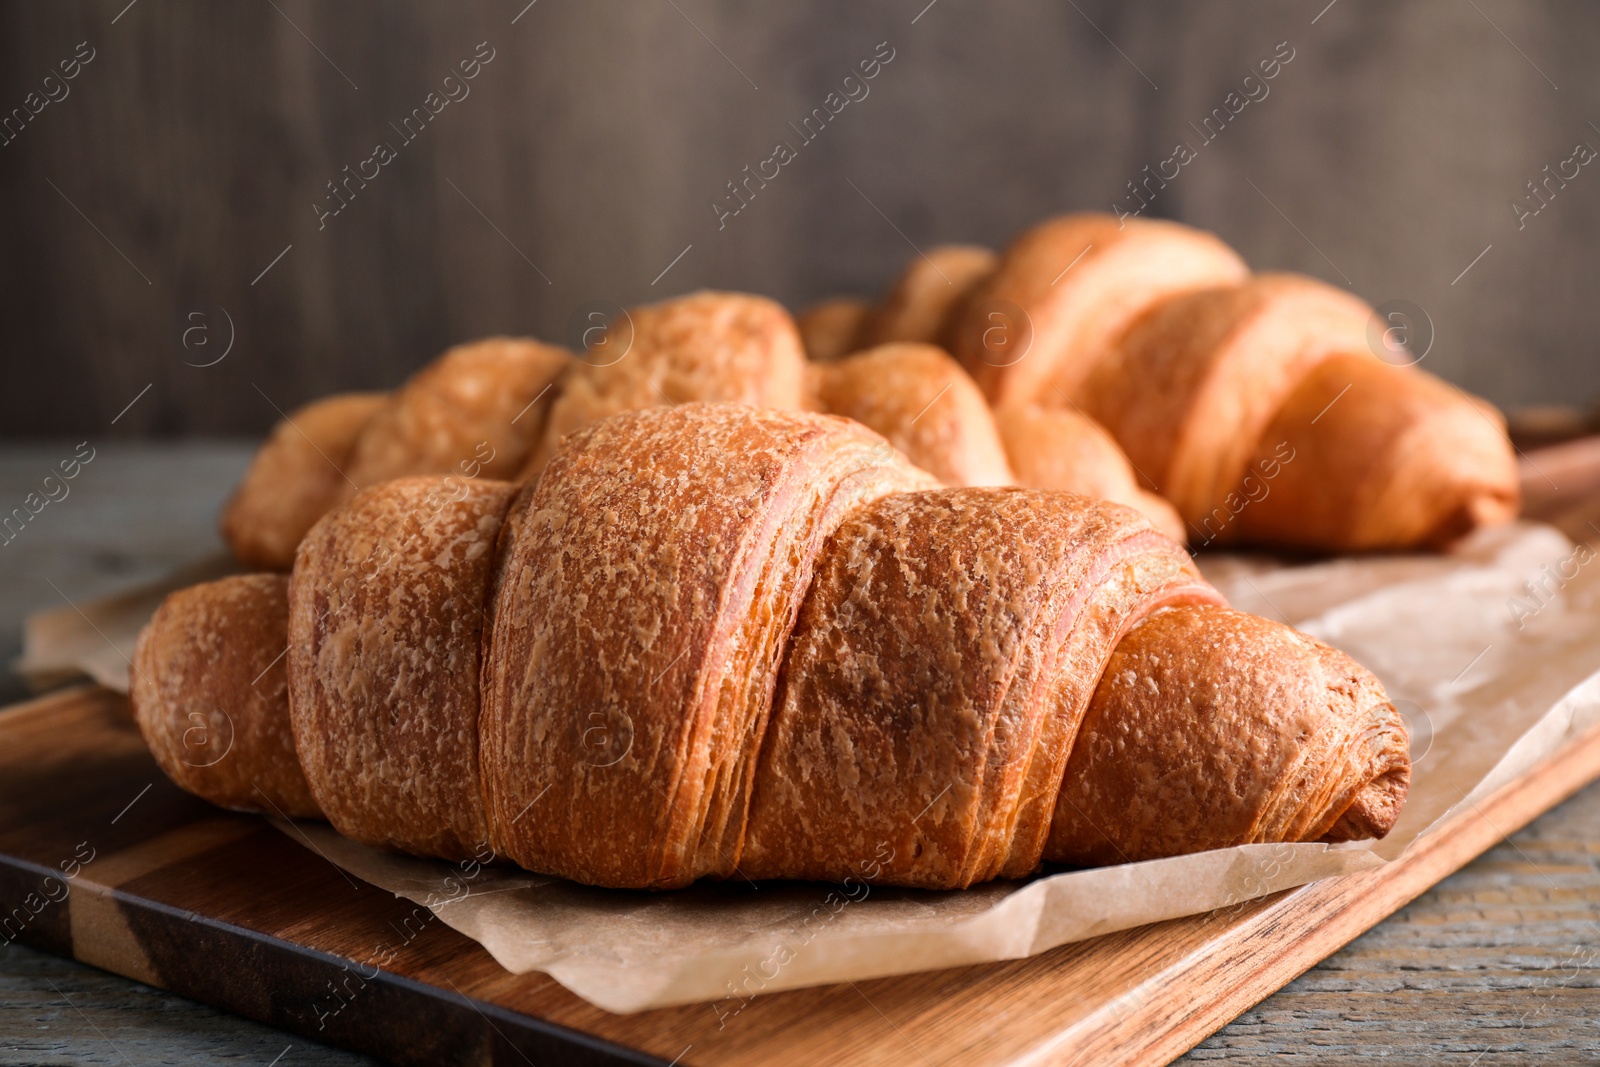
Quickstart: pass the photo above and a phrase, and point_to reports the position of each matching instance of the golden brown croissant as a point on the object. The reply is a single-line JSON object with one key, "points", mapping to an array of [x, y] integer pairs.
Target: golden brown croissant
{"points": [[719, 640], [925, 404], [1229, 391], [477, 410], [704, 346], [295, 477], [1055, 448], [829, 329], [921, 303]]}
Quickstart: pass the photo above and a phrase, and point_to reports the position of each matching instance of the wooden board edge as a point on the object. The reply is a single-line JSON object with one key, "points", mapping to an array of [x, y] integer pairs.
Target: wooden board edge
{"points": [[292, 978], [1305, 926], [257, 975]]}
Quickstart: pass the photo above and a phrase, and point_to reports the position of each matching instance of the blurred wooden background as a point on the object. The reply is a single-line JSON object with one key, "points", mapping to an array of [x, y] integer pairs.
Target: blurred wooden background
{"points": [[157, 193]]}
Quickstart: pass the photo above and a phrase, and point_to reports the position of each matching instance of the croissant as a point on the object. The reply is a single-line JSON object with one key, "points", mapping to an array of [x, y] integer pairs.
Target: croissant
{"points": [[925, 404], [828, 330], [500, 408], [1257, 406], [294, 478], [1054, 448], [477, 410], [714, 640], [923, 300], [479, 407]]}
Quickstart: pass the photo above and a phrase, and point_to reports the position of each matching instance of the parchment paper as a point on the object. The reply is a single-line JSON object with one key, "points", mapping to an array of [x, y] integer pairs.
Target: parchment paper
{"points": [[97, 638], [1491, 652]]}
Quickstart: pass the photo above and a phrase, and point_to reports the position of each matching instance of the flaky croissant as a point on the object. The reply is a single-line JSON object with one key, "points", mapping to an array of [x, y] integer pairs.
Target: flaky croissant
{"points": [[499, 408], [711, 346], [479, 408], [1055, 448], [294, 478], [476, 411], [1258, 405], [829, 329], [714, 640]]}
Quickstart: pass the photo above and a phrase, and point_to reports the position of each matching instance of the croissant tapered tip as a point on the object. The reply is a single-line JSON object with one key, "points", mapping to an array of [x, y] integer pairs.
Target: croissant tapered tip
{"points": [[1376, 806]]}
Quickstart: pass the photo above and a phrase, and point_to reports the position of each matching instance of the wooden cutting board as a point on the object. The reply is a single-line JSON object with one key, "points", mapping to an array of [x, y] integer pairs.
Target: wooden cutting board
{"points": [[226, 909]]}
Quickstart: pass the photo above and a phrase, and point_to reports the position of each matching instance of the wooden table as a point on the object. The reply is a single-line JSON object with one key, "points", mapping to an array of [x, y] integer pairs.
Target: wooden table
{"points": [[1499, 964]]}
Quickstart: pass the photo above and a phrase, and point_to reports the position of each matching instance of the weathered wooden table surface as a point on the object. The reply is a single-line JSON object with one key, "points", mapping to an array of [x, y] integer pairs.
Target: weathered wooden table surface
{"points": [[1499, 964]]}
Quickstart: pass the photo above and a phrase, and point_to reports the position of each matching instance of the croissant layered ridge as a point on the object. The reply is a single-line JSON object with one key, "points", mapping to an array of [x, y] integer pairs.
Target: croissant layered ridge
{"points": [[1211, 728], [386, 615], [1058, 448], [923, 302], [705, 346], [478, 409], [945, 656], [1384, 455], [1215, 381], [210, 694], [1065, 290], [925, 404], [647, 601], [1193, 384]]}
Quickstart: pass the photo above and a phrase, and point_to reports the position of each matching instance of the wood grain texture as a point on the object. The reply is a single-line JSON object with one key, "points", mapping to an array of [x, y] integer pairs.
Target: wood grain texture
{"points": [[591, 149], [224, 908], [1498, 960]]}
